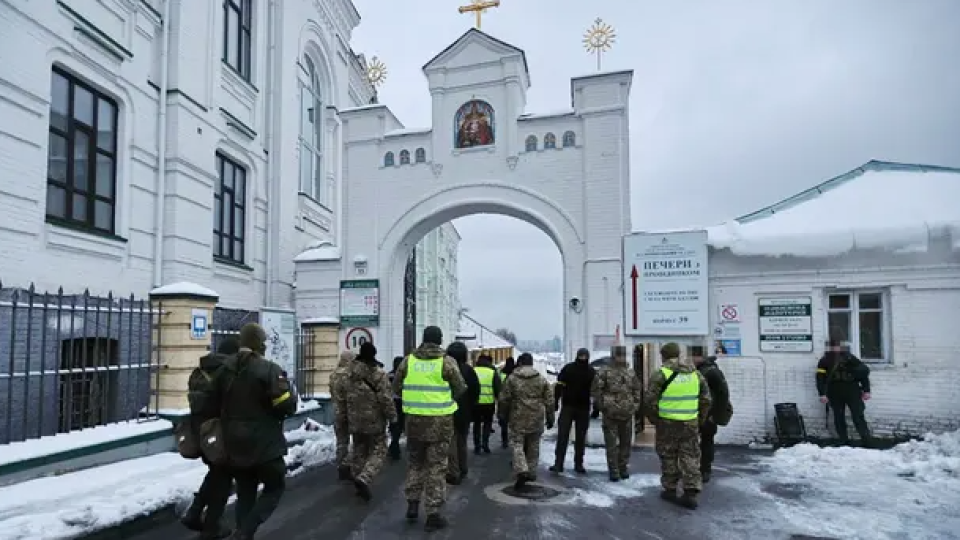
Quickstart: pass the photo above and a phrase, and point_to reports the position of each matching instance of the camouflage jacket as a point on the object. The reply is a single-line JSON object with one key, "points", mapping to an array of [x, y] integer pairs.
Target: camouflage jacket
{"points": [[366, 397], [431, 428], [341, 371], [655, 389], [617, 391], [526, 401]]}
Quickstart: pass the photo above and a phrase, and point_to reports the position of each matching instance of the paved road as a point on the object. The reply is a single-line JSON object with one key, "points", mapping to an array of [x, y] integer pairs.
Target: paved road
{"points": [[733, 507]]}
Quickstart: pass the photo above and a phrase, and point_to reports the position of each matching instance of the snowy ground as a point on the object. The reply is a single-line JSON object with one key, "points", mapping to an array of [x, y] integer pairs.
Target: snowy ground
{"points": [[59, 507], [911, 491]]}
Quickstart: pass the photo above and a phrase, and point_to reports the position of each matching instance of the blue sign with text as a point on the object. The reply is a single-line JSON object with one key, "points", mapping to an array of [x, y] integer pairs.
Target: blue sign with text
{"points": [[198, 329]]}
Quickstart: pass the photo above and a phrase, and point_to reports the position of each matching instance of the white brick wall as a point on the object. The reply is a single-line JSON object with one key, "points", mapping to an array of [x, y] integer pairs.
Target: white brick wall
{"points": [[548, 188], [914, 393], [202, 97]]}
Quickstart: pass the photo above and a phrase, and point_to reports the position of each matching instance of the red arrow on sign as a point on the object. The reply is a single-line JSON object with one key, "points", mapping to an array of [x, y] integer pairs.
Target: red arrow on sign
{"points": [[633, 279]]}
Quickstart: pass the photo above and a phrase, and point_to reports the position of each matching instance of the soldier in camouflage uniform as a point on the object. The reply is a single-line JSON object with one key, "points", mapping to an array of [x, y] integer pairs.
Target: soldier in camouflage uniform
{"points": [[429, 383], [367, 400], [618, 393], [677, 402], [340, 427], [526, 404]]}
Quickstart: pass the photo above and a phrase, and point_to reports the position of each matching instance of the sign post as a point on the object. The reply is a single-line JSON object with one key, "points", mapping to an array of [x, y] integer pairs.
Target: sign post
{"points": [[786, 324], [360, 302], [668, 294]]}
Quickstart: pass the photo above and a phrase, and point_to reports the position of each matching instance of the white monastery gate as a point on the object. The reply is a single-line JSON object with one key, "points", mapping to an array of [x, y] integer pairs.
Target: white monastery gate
{"points": [[567, 173]]}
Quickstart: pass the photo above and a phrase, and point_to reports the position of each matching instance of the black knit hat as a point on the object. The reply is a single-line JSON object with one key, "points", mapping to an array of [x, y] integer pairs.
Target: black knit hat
{"points": [[433, 334]]}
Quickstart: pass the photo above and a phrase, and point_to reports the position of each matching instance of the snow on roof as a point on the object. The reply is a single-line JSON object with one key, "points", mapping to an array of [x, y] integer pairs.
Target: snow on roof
{"points": [[544, 115], [184, 288], [322, 252], [479, 336], [880, 205], [408, 131]]}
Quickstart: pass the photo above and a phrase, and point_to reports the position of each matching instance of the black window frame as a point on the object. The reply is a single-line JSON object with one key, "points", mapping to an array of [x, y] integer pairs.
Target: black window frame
{"points": [[420, 155], [404, 157], [243, 36], [235, 236], [549, 141], [389, 160], [531, 144], [74, 126]]}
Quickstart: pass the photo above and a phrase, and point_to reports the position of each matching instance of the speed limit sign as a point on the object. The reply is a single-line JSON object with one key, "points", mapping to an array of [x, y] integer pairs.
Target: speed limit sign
{"points": [[357, 337]]}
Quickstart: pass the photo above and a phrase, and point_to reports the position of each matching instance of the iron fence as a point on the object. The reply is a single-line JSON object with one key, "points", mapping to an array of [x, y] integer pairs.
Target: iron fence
{"points": [[228, 322], [74, 361]]}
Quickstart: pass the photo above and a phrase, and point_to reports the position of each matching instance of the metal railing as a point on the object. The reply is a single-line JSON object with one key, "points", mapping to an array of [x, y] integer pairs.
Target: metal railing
{"points": [[70, 362]]}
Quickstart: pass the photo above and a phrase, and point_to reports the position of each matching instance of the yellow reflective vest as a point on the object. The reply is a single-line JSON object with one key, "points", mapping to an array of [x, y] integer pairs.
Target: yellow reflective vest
{"points": [[425, 392], [681, 400], [486, 374]]}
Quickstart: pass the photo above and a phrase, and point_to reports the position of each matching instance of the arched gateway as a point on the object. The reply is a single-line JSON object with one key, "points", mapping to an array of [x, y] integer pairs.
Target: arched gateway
{"points": [[484, 154]]}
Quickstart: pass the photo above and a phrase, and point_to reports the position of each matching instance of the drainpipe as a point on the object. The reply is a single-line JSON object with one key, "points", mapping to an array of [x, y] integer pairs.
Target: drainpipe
{"points": [[162, 145], [272, 237], [340, 203]]}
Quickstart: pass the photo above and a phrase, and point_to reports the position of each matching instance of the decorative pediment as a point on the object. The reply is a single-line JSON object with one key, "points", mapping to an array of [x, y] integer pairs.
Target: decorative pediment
{"points": [[475, 48]]}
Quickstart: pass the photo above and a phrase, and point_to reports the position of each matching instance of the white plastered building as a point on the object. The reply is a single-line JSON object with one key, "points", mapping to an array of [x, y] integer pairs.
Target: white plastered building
{"points": [[874, 254], [151, 142], [438, 286]]}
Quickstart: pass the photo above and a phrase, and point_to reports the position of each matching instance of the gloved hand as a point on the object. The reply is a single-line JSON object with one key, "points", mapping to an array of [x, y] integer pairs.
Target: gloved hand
{"points": [[595, 414], [549, 425]]}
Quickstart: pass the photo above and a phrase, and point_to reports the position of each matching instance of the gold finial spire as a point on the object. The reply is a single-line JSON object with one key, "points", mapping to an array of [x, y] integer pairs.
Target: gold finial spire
{"points": [[477, 7], [599, 38], [376, 72]]}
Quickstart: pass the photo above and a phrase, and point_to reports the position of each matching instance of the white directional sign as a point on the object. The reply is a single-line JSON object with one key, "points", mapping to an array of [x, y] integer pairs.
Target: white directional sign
{"points": [[665, 284]]}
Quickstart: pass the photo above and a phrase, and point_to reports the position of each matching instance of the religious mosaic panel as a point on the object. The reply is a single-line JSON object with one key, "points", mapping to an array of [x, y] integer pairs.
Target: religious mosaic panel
{"points": [[474, 125]]}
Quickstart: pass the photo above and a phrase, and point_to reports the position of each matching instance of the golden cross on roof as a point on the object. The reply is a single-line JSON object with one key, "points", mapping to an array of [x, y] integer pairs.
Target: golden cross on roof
{"points": [[477, 7]]}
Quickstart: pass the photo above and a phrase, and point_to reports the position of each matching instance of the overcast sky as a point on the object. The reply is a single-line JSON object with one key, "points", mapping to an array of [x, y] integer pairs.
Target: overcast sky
{"points": [[735, 104]]}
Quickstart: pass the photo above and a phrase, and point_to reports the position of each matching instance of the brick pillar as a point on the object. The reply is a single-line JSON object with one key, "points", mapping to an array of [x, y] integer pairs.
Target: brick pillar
{"points": [[320, 353], [178, 347]]}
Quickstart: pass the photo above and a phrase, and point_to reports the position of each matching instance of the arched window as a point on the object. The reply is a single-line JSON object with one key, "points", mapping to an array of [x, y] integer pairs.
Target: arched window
{"points": [[312, 177], [404, 157], [569, 139], [531, 143], [420, 156], [388, 159], [549, 141]]}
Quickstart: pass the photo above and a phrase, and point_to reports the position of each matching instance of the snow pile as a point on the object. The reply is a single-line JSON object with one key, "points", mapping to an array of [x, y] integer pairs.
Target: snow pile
{"points": [[861, 493], [69, 505], [599, 491], [62, 442], [905, 209]]}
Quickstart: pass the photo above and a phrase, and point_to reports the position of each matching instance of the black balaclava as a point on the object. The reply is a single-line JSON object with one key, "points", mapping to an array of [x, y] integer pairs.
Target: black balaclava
{"points": [[458, 351], [368, 353], [433, 334], [583, 356], [396, 362]]}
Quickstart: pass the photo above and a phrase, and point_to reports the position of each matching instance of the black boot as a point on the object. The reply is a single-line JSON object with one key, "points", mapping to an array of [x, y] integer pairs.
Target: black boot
{"points": [[614, 476], [413, 510], [624, 474], [522, 480], [435, 522], [394, 450], [556, 469], [192, 519], [578, 468], [216, 534], [706, 476], [669, 495], [477, 450], [344, 474], [689, 500], [486, 448], [363, 490], [454, 479]]}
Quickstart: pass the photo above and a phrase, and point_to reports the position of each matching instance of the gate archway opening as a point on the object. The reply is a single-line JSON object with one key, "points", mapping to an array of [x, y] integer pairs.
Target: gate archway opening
{"points": [[457, 202]]}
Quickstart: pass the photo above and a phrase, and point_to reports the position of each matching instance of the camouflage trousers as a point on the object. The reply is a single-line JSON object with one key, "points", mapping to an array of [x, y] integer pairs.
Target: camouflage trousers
{"points": [[426, 473], [342, 433], [526, 451], [678, 445], [618, 440], [369, 452]]}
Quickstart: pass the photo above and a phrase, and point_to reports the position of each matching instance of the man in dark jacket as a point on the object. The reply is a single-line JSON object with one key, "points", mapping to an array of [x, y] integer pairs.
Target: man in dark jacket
{"points": [[508, 366], [215, 489], [396, 428], [256, 396], [486, 403], [843, 381], [719, 406], [573, 392], [457, 457]]}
